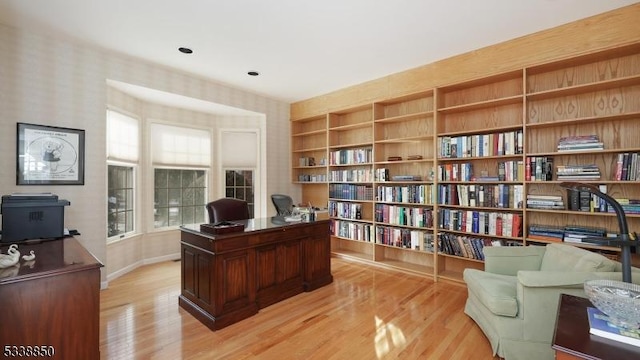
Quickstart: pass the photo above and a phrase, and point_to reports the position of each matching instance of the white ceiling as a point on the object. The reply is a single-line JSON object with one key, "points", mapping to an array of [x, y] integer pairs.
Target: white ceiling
{"points": [[301, 48]]}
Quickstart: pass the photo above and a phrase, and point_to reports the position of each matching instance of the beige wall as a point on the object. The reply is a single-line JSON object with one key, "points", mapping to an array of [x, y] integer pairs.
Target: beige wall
{"points": [[152, 245], [56, 81], [618, 27]]}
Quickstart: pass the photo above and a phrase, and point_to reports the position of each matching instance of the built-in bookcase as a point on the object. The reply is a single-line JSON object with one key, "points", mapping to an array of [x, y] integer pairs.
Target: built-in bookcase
{"points": [[472, 152], [593, 95]]}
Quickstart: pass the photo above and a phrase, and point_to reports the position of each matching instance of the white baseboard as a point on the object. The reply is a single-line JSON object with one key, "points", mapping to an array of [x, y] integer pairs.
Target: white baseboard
{"points": [[158, 259], [116, 274], [137, 264]]}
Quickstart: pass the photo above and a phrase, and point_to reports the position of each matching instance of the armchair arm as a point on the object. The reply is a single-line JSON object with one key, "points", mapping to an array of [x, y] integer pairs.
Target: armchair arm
{"points": [[508, 260], [538, 293]]}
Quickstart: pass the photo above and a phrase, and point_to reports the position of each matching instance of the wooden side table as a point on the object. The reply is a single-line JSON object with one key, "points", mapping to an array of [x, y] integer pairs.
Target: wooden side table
{"points": [[572, 339]]}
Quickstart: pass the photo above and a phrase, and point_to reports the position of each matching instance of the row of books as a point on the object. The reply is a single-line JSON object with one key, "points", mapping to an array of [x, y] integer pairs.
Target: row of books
{"points": [[414, 194], [352, 230], [312, 178], [469, 246], [382, 174], [455, 172], [351, 156], [350, 192], [481, 145], [627, 167], [311, 161], [402, 215], [498, 195], [580, 143], [345, 210], [480, 222], [513, 170], [404, 238], [355, 175], [585, 201], [554, 202], [538, 168]]}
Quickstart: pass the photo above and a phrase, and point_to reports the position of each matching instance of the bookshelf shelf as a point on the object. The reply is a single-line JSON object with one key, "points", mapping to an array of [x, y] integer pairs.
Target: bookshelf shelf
{"points": [[595, 94], [585, 88]]}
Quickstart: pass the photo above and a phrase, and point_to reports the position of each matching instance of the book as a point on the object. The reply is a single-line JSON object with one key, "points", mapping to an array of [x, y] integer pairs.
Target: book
{"points": [[601, 325]]}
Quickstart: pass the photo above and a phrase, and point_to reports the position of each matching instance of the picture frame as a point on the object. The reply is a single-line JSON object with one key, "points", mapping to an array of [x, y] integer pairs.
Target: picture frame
{"points": [[49, 155]]}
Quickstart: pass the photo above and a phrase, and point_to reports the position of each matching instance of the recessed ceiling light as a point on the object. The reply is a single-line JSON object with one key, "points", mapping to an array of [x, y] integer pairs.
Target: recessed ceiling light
{"points": [[185, 50], [253, 73]]}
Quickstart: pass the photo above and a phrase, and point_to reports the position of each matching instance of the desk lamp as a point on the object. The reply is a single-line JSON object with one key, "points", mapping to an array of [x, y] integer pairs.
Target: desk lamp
{"points": [[623, 240]]}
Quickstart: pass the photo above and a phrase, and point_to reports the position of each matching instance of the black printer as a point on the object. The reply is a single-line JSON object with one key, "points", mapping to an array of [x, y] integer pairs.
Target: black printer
{"points": [[27, 216]]}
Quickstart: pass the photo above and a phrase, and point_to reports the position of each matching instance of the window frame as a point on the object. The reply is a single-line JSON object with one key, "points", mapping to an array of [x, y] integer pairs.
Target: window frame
{"points": [[206, 171], [252, 204], [134, 205]]}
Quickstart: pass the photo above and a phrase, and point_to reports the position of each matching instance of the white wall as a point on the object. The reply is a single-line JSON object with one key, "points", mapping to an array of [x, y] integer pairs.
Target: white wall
{"points": [[55, 81]]}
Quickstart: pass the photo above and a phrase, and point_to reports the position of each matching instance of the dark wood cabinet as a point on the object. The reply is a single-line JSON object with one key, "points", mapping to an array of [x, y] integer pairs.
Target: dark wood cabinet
{"points": [[52, 302], [229, 277]]}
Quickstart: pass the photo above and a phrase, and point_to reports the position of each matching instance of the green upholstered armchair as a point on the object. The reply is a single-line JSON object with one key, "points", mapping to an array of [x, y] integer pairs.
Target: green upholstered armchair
{"points": [[515, 299]]}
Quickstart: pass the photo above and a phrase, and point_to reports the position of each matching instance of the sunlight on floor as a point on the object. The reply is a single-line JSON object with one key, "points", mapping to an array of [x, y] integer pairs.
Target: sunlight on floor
{"points": [[387, 335]]}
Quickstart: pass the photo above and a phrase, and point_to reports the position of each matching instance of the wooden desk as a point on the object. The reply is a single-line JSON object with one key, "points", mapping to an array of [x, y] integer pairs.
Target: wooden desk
{"points": [[227, 278], [51, 302], [572, 339]]}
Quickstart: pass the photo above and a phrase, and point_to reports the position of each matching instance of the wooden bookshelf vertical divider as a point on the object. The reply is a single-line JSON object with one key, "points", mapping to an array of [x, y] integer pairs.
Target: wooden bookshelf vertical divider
{"points": [[595, 94], [489, 105]]}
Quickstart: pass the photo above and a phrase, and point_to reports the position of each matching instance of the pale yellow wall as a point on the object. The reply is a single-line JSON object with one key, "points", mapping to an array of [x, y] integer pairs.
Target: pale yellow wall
{"points": [[618, 27], [56, 81]]}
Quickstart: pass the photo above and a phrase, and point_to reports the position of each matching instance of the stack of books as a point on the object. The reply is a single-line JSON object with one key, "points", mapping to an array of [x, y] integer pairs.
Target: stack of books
{"points": [[546, 233], [545, 202], [601, 325], [578, 172], [630, 206], [576, 234], [580, 143]]}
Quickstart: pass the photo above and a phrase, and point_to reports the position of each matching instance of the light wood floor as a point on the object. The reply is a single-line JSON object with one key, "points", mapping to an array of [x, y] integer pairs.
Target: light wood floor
{"points": [[366, 313]]}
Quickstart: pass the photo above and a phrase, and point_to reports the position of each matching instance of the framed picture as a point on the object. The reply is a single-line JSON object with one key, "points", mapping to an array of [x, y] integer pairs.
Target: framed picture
{"points": [[49, 155]]}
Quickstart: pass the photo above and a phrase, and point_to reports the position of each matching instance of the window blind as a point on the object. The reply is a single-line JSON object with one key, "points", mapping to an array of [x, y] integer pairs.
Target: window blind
{"points": [[174, 145], [122, 137], [246, 144]]}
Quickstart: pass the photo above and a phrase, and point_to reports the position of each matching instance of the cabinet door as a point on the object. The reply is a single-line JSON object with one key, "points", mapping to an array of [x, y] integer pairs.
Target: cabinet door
{"points": [[279, 271]]}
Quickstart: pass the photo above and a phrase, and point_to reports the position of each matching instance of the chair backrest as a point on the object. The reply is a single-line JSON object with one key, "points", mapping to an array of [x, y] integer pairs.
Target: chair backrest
{"points": [[283, 204], [227, 209]]}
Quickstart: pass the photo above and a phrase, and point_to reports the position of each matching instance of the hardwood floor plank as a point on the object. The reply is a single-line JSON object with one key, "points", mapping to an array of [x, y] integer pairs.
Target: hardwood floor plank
{"points": [[366, 313]]}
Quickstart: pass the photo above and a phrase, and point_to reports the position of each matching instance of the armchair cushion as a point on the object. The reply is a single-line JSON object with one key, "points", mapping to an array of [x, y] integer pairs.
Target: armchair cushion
{"points": [[497, 292], [559, 257]]}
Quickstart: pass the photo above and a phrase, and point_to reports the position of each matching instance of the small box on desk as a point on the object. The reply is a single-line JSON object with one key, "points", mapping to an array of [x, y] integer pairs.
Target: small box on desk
{"points": [[220, 228], [32, 216]]}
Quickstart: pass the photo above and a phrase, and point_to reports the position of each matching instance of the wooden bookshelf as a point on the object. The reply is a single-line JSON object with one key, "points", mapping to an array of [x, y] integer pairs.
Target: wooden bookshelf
{"points": [[596, 93]]}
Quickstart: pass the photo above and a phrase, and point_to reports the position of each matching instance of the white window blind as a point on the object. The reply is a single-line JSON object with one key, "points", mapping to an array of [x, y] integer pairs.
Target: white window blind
{"points": [[122, 137], [245, 144], [174, 145]]}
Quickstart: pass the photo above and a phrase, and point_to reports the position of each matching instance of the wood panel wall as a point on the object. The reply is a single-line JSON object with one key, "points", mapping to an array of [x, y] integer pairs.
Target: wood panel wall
{"points": [[606, 30]]}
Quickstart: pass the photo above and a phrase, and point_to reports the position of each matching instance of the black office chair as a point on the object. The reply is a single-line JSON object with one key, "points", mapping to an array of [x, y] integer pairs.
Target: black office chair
{"points": [[227, 209], [283, 204]]}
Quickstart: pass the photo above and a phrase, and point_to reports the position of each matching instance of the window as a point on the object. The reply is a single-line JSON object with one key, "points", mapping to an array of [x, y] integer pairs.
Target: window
{"points": [[241, 167], [181, 157], [180, 197], [120, 202], [239, 184], [122, 160]]}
